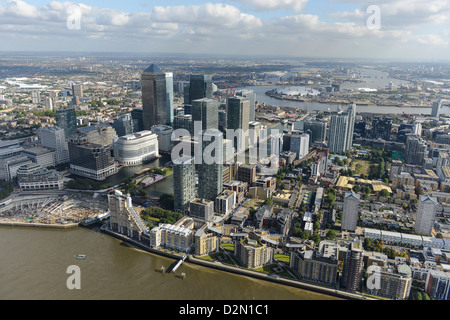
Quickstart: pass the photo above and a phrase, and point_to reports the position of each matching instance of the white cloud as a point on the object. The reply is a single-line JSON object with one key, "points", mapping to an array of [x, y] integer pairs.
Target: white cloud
{"points": [[21, 9], [296, 5]]}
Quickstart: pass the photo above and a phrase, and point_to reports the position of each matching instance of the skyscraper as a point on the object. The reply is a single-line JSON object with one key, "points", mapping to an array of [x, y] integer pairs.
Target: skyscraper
{"points": [[425, 215], [169, 97], [381, 129], [55, 138], [184, 182], [138, 120], [210, 169], [353, 266], [251, 96], [205, 111], [238, 118], [436, 110], [350, 212], [200, 86], [67, 120], [154, 97], [300, 145], [340, 138], [318, 130]]}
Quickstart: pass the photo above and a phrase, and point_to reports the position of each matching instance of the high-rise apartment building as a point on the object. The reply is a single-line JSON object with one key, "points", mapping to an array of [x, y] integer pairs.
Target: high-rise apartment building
{"points": [[77, 90], [425, 215], [416, 150], [353, 266], [154, 97], [436, 109], [340, 138], [381, 128], [184, 182], [350, 212]]}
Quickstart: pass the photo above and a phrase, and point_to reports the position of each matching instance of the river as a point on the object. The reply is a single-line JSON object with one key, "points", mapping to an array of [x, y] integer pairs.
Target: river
{"points": [[35, 261]]}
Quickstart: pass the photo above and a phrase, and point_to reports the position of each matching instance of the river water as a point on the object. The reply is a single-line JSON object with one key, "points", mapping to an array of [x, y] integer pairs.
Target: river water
{"points": [[34, 265]]}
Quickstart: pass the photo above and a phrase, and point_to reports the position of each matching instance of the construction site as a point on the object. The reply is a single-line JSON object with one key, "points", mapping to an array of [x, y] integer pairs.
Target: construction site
{"points": [[51, 210]]}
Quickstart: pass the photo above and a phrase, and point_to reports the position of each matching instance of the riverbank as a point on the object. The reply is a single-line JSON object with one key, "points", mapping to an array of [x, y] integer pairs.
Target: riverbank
{"points": [[38, 225], [244, 272]]}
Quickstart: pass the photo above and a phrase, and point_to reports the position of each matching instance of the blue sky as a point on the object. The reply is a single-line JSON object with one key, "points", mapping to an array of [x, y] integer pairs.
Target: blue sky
{"points": [[414, 29]]}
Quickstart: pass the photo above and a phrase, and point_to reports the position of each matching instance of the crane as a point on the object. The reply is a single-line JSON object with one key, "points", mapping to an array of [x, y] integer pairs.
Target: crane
{"points": [[230, 90]]}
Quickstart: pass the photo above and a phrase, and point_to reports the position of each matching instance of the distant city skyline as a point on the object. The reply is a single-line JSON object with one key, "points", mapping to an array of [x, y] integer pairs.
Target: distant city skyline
{"points": [[416, 29]]}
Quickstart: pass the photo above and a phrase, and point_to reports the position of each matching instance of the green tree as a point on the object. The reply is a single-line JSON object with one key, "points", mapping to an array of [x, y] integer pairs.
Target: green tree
{"points": [[166, 201], [268, 202], [331, 235]]}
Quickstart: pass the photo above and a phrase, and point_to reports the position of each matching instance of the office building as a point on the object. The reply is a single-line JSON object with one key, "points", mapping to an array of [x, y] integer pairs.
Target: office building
{"points": [[136, 148], [154, 97], [45, 157], [247, 173], [210, 168], [299, 144], [199, 87], [91, 160], [138, 119], [206, 112], [100, 133], [9, 166], [184, 182], [381, 128], [184, 122], [238, 119], [34, 177], [350, 212], [67, 120], [318, 130], [201, 209], [340, 138], [251, 96], [123, 125], [164, 134], [169, 97], [55, 138], [425, 215]]}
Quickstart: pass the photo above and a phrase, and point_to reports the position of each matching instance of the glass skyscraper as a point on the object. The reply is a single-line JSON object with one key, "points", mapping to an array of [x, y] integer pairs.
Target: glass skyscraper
{"points": [[66, 119], [200, 86], [210, 169], [207, 111], [154, 97], [342, 124]]}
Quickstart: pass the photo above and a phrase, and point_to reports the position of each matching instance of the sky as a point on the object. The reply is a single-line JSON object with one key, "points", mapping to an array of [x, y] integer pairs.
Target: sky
{"points": [[370, 29]]}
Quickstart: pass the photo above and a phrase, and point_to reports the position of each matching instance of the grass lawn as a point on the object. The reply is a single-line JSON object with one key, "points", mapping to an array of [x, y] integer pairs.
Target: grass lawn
{"points": [[360, 167], [282, 257], [228, 246]]}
